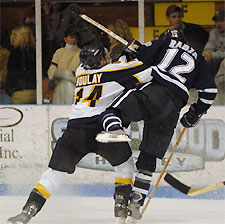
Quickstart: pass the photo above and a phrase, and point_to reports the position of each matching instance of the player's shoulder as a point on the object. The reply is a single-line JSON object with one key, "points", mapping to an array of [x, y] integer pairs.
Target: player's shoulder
{"points": [[123, 63], [80, 70], [156, 43]]}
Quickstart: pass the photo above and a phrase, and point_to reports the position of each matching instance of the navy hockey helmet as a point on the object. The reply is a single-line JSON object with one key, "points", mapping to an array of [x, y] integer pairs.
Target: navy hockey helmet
{"points": [[91, 55], [174, 34]]}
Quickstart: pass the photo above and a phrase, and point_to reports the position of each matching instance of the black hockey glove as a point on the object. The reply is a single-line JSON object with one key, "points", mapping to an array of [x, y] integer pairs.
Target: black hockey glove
{"points": [[130, 51], [192, 117]]}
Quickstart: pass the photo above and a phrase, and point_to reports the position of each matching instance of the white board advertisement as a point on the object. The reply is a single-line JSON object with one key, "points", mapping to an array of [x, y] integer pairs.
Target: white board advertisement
{"points": [[28, 135]]}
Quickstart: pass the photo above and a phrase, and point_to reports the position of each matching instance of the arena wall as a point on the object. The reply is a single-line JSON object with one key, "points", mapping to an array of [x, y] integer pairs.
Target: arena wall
{"points": [[28, 134]]}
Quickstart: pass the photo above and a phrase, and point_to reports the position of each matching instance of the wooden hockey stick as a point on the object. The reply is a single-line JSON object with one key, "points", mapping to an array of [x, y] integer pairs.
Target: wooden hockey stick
{"points": [[163, 171], [189, 190], [101, 27]]}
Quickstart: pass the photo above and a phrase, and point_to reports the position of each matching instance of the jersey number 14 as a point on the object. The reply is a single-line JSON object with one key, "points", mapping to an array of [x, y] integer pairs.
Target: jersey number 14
{"points": [[93, 97]]}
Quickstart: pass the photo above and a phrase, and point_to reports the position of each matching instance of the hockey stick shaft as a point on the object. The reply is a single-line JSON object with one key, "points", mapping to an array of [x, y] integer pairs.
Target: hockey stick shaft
{"points": [[189, 190], [163, 171], [101, 27]]}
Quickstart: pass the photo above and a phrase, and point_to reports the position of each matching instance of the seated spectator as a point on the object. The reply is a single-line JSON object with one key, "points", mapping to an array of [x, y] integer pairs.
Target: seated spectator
{"points": [[194, 34], [4, 52], [62, 69], [21, 75], [214, 51], [122, 29]]}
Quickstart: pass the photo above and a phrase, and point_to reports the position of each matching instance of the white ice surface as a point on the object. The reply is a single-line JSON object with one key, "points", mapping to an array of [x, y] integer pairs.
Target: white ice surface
{"points": [[91, 210]]}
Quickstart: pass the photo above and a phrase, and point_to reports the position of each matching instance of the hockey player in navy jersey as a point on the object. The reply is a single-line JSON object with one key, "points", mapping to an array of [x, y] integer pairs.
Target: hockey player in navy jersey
{"points": [[175, 67]]}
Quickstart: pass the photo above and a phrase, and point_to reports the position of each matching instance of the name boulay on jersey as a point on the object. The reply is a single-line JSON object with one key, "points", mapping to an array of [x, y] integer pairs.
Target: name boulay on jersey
{"points": [[96, 89]]}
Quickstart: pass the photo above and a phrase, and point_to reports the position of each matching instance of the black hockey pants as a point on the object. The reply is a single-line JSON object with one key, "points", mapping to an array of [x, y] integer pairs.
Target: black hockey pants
{"points": [[159, 108]]}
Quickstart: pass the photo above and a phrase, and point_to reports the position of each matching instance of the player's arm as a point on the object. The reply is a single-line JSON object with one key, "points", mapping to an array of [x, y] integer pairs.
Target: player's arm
{"points": [[207, 91], [143, 52]]}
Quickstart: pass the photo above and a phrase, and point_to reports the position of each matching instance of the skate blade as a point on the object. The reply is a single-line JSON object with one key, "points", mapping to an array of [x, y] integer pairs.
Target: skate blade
{"points": [[131, 220], [107, 138]]}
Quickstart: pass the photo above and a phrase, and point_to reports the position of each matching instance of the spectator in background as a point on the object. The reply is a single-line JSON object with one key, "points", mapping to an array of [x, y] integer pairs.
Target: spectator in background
{"points": [[55, 9], [220, 83], [64, 16], [21, 75], [4, 52], [194, 34], [62, 69], [122, 29], [214, 51]]}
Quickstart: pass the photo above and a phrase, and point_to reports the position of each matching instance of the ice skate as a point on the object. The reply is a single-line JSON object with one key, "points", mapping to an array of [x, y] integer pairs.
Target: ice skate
{"points": [[120, 207], [24, 217], [133, 210], [112, 136], [131, 220], [134, 213]]}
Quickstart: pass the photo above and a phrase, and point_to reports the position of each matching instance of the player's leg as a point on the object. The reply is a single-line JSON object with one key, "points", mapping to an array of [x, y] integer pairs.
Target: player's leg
{"points": [[119, 156], [63, 161], [159, 126], [49, 183], [124, 110], [123, 185], [146, 165], [112, 126]]}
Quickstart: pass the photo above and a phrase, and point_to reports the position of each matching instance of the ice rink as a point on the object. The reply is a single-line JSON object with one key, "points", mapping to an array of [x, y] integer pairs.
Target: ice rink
{"points": [[99, 210]]}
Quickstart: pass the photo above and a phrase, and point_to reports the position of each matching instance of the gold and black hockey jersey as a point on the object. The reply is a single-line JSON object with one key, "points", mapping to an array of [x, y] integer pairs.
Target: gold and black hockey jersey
{"points": [[96, 89]]}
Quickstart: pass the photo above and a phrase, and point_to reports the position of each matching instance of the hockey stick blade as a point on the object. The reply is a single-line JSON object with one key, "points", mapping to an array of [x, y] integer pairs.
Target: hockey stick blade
{"points": [[189, 190]]}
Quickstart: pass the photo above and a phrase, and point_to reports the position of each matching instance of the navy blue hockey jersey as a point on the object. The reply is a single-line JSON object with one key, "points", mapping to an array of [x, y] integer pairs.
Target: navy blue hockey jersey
{"points": [[180, 68]]}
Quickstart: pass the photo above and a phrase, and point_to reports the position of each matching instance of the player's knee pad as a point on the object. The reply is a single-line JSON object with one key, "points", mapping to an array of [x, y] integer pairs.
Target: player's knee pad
{"points": [[125, 172], [52, 179]]}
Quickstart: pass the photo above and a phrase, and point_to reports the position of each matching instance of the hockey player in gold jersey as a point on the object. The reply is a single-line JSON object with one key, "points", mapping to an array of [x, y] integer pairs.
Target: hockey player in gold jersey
{"points": [[98, 83]]}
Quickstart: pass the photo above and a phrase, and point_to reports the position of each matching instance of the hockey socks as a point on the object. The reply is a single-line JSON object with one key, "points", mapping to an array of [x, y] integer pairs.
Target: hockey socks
{"points": [[110, 120], [42, 190], [139, 193], [112, 125], [141, 186]]}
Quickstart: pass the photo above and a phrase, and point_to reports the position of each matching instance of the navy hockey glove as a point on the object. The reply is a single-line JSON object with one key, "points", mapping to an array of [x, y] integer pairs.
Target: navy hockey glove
{"points": [[192, 117], [130, 51]]}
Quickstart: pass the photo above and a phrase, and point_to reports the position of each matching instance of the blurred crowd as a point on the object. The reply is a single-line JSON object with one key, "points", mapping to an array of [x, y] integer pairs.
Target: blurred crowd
{"points": [[64, 34]]}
